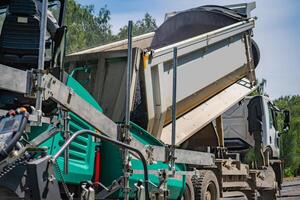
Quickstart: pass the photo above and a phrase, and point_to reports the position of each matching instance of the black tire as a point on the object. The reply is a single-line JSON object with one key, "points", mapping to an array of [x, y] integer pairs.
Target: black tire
{"points": [[267, 195], [206, 186], [251, 195], [255, 53], [188, 193]]}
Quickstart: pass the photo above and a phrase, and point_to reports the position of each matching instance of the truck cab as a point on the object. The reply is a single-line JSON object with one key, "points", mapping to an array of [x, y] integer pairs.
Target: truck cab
{"points": [[236, 126]]}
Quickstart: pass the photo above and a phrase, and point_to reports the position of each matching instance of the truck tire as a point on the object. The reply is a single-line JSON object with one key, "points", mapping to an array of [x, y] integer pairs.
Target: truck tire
{"points": [[255, 53], [267, 195], [188, 193], [206, 186], [251, 195]]}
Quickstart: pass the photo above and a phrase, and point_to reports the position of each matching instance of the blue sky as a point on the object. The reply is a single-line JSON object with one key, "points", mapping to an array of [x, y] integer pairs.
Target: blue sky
{"points": [[277, 33]]}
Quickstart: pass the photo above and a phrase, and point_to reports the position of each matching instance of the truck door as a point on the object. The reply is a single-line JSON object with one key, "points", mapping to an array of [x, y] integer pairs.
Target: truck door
{"points": [[272, 137]]}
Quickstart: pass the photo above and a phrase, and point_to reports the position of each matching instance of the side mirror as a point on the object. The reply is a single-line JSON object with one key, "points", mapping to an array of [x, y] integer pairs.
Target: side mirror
{"points": [[286, 120]]}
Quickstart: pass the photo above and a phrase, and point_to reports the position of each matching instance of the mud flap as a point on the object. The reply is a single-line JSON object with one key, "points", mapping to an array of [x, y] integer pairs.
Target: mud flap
{"points": [[40, 184], [278, 169]]}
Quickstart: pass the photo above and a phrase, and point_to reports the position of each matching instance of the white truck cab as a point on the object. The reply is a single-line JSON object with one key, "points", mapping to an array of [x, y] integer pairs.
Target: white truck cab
{"points": [[236, 126]]}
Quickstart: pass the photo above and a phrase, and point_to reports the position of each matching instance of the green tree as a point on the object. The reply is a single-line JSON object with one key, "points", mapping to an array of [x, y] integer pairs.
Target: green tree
{"points": [[290, 141], [84, 28], [145, 25]]}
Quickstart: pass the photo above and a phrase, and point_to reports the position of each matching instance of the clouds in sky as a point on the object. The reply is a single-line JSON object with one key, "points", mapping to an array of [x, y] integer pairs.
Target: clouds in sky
{"points": [[277, 33]]}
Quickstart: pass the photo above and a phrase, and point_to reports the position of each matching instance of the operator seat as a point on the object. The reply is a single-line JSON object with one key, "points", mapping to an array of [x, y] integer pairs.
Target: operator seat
{"points": [[20, 35], [19, 48]]}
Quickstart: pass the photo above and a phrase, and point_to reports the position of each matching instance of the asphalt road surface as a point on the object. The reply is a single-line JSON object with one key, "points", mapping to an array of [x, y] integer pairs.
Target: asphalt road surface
{"points": [[290, 191]]}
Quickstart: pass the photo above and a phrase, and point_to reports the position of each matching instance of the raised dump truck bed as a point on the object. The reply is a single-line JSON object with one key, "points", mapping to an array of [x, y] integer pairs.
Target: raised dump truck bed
{"points": [[208, 63]]}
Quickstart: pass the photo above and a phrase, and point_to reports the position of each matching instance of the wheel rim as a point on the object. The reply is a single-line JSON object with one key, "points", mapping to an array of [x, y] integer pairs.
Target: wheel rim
{"points": [[207, 195], [211, 192]]}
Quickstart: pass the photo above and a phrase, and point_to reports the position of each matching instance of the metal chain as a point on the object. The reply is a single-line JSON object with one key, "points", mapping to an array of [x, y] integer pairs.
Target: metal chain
{"points": [[65, 187]]}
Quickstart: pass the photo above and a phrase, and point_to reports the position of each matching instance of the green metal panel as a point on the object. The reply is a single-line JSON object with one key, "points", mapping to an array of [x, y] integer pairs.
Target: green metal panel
{"points": [[82, 92], [81, 153], [82, 149]]}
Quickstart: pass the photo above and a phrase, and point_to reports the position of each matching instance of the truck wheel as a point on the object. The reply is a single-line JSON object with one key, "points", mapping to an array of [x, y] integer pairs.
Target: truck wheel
{"points": [[188, 193], [255, 53], [267, 195], [206, 186], [251, 195]]}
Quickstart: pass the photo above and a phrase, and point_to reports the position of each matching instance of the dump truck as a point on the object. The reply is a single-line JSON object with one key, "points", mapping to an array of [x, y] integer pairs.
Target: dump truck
{"points": [[133, 119]]}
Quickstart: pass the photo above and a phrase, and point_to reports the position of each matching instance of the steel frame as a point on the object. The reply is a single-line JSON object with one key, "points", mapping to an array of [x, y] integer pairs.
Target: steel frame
{"points": [[60, 93]]}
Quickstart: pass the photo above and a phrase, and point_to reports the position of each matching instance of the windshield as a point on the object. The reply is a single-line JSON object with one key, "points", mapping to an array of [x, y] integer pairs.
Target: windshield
{"points": [[272, 116]]}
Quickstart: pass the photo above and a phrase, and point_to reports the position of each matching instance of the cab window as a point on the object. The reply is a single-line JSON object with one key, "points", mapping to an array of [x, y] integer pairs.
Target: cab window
{"points": [[272, 117]]}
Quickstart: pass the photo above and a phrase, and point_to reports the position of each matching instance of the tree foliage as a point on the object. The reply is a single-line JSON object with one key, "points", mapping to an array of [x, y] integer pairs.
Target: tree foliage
{"points": [[290, 141], [87, 29], [146, 25]]}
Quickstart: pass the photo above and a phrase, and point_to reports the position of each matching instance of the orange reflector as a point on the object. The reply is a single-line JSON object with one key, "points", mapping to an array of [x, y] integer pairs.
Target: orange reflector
{"points": [[145, 60], [22, 109]]}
